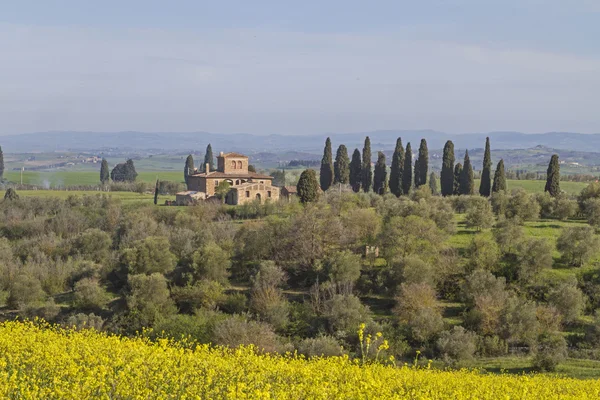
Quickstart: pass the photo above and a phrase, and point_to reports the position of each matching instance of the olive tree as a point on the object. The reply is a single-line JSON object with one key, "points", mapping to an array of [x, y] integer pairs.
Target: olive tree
{"points": [[578, 245]]}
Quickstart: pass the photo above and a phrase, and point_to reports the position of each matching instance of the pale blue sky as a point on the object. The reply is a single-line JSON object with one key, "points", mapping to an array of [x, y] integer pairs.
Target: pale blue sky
{"points": [[300, 66]]}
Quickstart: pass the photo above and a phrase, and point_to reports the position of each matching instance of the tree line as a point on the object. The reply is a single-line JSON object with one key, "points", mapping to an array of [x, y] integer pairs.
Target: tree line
{"points": [[455, 179]]}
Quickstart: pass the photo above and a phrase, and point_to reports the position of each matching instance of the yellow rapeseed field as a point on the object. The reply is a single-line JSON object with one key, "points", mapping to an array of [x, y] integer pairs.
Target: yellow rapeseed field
{"points": [[42, 362]]}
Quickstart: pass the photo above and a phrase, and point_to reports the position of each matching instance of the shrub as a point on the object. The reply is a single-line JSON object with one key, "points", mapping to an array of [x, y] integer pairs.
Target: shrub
{"points": [[591, 210], [150, 255], [457, 345], [415, 270], [522, 205], [418, 308], [479, 213], [25, 291], [320, 346], [198, 327], [508, 233], [568, 300], [204, 293], [149, 300], [578, 245], [344, 313], [89, 295], [533, 256], [492, 346], [238, 331], [551, 351], [212, 262], [483, 253], [84, 321], [234, 303]]}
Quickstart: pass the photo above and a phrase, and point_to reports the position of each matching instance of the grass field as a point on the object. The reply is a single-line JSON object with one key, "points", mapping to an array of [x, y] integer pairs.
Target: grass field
{"points": [[125, 197], [537, 186], [74, 178], [66, 178]]}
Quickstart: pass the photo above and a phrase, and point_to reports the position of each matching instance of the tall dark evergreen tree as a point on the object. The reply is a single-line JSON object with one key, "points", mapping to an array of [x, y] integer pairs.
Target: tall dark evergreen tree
{"points": [[189, 168], [1, 164], [397, 168], [486, 173], [447, 174], [124, 172], [380, 183], [456, 178], [209, 159], [326, 175], [407, 173], [156, 193], [553, 177], [499, 178], [467, 180], [356, 171], [308, 187], [341, 167], [433, 185], [367, 169], [422, 165], [104, 173], [130, 172]]}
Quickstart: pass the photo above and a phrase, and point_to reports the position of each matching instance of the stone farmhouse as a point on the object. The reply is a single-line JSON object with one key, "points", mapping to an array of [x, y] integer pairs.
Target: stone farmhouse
{"points": [[245, 186]]}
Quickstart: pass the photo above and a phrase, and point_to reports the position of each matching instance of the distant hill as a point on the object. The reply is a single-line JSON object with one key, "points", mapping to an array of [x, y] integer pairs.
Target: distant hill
{"points": [[197, 141]]}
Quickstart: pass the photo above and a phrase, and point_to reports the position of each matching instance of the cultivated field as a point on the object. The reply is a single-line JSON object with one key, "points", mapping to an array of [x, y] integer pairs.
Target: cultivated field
{"points": [[124, 197], [82, 178], [49, 363]]}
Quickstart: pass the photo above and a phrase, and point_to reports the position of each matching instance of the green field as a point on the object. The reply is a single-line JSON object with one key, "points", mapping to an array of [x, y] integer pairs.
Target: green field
{"points": [[537, 186], [125, 197], [84, 178], [90, 178]]}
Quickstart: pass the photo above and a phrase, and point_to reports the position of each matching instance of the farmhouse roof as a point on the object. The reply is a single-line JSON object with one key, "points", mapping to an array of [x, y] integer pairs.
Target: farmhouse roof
{"points": [[217, 174], [233, 154]]}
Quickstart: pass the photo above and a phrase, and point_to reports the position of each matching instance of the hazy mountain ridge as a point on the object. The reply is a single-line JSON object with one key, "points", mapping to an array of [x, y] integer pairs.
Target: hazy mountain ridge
{"points": [[197, 141]]}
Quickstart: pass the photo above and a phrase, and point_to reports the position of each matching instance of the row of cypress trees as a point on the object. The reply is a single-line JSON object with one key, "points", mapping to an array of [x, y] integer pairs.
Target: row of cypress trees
{"points": [[359, 173], [459, 179]]}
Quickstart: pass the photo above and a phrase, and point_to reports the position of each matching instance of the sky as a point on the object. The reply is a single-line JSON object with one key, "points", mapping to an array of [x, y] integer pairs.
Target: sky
{"points": [[300, 67]]}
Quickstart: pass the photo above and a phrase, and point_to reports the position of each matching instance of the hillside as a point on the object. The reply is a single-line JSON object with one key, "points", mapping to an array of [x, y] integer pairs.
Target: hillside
{"points": [[191, 141]]}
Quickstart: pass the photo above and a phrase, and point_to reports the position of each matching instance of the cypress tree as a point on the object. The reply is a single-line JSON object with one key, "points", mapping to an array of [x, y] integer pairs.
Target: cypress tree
{"points": [[380, 184], [456, 178], [397, 168], [407, 173], [209, 159], [553, 177], [189, 168], [356, 171], [308, 187], [467, 180], [11, 194], [486, 173], [104, 174], [1, 163], [499, 178], [326, 175], [433, 185], [156, 193], [447, 174], [341, 167], [367, 169], [130, 172], [422, 164]]}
